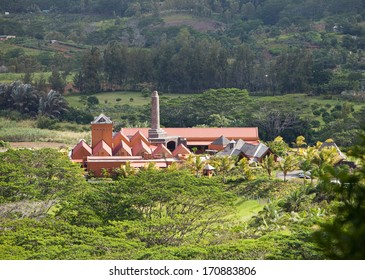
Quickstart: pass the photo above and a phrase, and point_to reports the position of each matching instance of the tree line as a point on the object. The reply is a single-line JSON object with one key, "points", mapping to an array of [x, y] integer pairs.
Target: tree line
{"points": [[190, 64], [269, 11]]}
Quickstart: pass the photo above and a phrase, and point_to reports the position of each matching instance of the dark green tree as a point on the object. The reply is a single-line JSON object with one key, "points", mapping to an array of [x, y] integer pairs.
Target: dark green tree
{"points": [[56, 81]]}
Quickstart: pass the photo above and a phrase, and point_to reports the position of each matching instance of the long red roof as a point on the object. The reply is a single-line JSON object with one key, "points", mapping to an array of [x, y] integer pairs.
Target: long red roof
{"points": [[204, 133]]}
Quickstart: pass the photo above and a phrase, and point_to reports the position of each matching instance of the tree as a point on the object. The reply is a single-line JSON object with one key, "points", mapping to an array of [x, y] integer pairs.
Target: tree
{"points": [[341, 237], [197, 165], [222, 164], [300, 142], [56, 81], [88, 79], [274, 122], [244, 167], [115, 63], [52, 105], [287, 164], [278, 146], [269, 164], [25, 98]]}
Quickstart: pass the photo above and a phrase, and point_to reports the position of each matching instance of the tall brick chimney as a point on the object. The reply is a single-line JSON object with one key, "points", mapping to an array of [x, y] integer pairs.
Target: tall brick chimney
{"points": [[155, 131]]}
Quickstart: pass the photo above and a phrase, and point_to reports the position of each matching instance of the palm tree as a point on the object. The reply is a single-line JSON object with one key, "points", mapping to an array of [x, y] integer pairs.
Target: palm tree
{"points": [[300, 142], [287, 164], [127, 170], [52, 105], [226, 164], [268, 163], [198, 165], [25, 98]]}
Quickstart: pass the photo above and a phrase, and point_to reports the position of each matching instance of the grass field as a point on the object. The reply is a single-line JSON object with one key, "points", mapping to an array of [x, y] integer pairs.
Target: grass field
{"points": [[26, 131], [6, 46]]}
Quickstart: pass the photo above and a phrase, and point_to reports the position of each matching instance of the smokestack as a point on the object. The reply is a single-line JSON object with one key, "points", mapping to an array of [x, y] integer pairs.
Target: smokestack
{"points": [[155, 132], [155, 114]]}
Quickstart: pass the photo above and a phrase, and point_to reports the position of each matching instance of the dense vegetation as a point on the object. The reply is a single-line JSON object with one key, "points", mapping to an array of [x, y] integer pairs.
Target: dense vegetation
{"points": [[268, 46], [244, 56], [49, 211]]}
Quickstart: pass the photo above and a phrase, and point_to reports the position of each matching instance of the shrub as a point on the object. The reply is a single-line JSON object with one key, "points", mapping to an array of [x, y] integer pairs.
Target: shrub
{"points": [[44, 122], [4, 144]]}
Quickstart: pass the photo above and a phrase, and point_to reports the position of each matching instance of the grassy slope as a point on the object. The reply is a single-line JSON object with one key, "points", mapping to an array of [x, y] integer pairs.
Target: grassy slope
{"points": [[26, 131], [246, 209]]}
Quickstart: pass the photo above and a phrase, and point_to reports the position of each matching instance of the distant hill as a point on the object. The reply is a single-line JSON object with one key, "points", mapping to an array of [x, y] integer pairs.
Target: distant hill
{"points": [[266, 46]]}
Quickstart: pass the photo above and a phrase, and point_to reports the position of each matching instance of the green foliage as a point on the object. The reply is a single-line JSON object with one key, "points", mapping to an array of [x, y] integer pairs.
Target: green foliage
{"points": [[340, 237], [37, 175], [44, 122], [170, 207]]}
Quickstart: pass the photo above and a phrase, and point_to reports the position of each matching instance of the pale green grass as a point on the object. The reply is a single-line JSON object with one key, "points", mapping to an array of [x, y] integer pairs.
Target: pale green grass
{"points": [[246, 209], [26, 131], [6, 46]]}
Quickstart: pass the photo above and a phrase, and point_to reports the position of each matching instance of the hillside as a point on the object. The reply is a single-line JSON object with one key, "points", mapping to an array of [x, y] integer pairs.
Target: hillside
{"points": [[270, 46], [119, 51]]}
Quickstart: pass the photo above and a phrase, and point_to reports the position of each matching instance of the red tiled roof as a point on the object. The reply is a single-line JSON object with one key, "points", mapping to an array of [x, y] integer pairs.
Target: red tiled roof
{"points": [[141, 147], [82, 145], [119, 136], [122, 146], [137, 137], [204, 133], [181, 149], [162, 150], [198, 143], [102, 146]]}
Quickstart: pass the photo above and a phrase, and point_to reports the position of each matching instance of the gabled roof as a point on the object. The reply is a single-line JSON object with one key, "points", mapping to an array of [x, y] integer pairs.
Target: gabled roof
{"points": [[141, 148], [81, 149], [102, 146], [232, 151], [119, 136], [254, 151], [221, 141], [162, 150], [138, 137], [124, 147], [247, 149], [82, 145], [102, 119], [208, 167], [181, 150]]}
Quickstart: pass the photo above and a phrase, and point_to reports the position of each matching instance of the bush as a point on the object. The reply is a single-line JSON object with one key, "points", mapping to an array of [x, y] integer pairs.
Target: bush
{"points": [[44, 122], [4, 144], [315, 124], [317, 112]]}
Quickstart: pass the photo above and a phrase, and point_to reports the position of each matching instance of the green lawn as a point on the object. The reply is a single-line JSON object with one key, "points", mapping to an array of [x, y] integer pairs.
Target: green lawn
{"points": [[247, 208]]}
